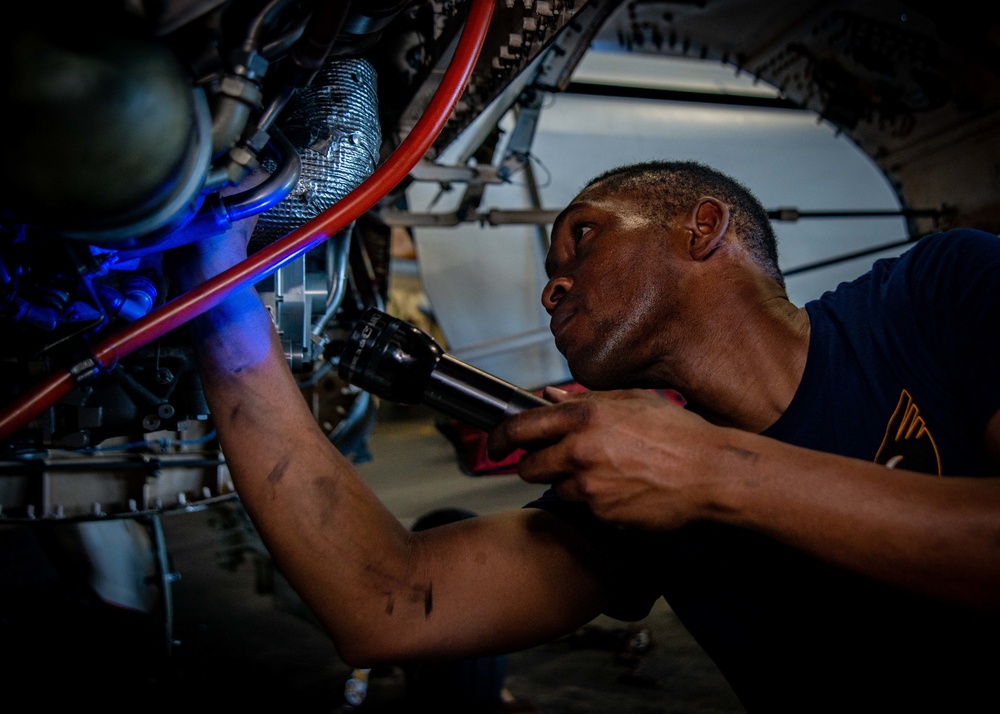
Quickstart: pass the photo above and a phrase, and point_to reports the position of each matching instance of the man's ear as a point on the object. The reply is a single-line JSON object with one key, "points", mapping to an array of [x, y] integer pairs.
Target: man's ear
{"points": [[708, 225]]}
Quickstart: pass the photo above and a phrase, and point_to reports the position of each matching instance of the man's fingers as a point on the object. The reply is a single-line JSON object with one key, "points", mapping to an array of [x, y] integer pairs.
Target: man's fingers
{"points": [[569, 412], [545, 466], [531, 429]]}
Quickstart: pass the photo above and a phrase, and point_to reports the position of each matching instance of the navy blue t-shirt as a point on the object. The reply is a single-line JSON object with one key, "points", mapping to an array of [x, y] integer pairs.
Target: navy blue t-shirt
{"points": [[903, 369]]}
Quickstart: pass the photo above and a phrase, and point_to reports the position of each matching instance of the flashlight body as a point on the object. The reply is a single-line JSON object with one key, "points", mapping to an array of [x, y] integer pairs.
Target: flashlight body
{"points": [[395, 360], [474, 396]]}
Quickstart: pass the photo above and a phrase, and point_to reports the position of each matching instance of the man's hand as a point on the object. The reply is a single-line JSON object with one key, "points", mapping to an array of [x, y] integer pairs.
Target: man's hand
{"points": [[634, 458], [194, 263], [205, 257]]}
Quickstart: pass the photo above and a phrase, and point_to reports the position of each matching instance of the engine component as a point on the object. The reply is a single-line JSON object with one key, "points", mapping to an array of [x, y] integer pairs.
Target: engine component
{"points": [[334, 126], [130, 143], [131, 392]]}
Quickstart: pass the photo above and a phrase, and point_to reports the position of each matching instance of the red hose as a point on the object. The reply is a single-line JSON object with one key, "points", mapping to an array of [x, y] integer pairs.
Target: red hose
{"points": [[210, 293]]}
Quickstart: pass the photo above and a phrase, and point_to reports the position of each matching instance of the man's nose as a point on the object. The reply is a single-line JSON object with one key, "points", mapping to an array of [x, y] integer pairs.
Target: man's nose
{"points": [[555, 290]]}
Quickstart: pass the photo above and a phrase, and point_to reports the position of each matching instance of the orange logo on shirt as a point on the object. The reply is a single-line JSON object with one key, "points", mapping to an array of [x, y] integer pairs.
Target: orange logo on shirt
{"points": [[908, 443]]}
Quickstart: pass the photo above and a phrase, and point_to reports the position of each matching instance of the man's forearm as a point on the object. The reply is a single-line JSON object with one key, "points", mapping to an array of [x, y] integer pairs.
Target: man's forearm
{"points": [[319, 521], [935, 535]]}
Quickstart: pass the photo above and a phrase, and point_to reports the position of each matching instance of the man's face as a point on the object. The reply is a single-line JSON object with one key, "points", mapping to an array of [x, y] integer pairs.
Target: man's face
{"points": [[613, 284]]}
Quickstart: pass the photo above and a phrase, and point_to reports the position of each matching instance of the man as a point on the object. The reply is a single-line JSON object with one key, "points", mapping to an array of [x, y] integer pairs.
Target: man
{"points": [[781, 513]]}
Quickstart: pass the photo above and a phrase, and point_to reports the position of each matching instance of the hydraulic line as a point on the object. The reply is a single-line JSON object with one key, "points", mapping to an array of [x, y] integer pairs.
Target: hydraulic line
{"points": [[267, 260], [273, 189]]}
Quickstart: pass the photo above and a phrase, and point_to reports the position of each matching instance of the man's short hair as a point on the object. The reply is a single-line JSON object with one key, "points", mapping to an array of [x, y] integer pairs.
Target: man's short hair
{"points": [[666, 188]]}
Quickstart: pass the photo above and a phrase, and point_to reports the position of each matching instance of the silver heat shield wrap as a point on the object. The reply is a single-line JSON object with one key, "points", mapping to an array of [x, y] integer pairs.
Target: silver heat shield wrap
{"points": [[334, 125]]}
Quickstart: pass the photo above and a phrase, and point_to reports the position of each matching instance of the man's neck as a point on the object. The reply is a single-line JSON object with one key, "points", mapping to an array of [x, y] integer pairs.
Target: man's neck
{"points": [[747, 377]]}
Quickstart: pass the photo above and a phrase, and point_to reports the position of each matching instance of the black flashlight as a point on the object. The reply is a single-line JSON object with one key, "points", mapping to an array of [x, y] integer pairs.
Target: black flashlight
{"points": [[395, 360]]}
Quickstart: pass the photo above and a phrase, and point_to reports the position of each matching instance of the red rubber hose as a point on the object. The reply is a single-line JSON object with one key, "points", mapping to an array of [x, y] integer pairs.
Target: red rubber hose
{"points": [[328, 223]]}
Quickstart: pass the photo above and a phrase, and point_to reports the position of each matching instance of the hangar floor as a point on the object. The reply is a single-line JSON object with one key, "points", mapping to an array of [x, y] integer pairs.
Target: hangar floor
{"points": [[239, 649]]}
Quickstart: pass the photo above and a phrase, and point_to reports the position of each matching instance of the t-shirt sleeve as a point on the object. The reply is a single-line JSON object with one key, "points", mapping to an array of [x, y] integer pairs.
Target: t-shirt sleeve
{"points": [[954, 279], [626, 558]]}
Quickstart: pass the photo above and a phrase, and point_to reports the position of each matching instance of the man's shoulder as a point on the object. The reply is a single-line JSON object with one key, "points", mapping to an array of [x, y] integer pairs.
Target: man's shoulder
{"points": [[954, 248], [935, 282], [948, 260], [962, 235]]}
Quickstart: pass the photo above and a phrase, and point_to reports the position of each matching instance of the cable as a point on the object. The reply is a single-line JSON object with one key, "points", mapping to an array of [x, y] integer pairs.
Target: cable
{"points": [[267, 260]]}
